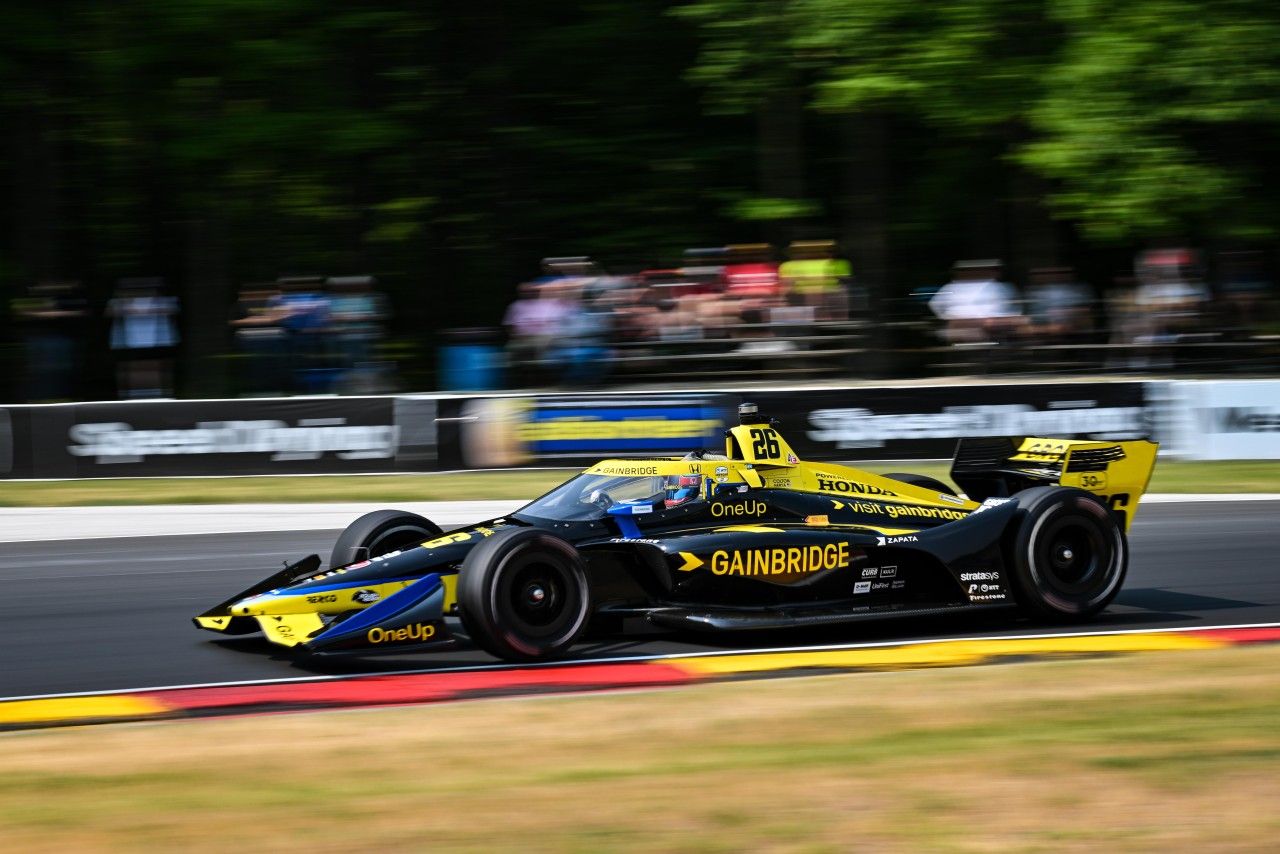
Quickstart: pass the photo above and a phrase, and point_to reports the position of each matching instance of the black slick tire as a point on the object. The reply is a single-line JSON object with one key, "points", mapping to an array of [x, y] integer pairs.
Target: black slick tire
{"points": [[1068, 553], [379, 533], [523, 595], [923, 481]]}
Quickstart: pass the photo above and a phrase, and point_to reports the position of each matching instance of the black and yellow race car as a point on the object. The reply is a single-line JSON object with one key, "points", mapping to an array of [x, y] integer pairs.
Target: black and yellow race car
{"points": [[753, 538]]}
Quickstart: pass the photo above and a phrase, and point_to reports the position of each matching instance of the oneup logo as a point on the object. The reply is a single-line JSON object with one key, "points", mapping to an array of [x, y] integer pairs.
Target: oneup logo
{"points": [[416, 632], [117, 442], [746, 508]]}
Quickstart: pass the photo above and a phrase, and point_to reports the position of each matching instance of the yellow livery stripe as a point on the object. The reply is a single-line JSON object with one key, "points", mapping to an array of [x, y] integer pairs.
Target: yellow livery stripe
{"points": [[289, 629], [949, 654]]}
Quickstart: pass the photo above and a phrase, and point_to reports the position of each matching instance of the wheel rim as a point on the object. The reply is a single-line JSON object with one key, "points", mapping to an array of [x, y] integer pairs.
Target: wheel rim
{"points": [[1074, 557], [537, 597]]}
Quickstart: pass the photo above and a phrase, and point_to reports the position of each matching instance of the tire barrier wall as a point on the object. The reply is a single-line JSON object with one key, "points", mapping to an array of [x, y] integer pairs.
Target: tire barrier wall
{"points": [[407, 433]]}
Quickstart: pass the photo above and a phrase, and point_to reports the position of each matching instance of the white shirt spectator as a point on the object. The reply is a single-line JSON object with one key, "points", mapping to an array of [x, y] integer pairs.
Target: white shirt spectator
{"points": [[975, 300]]}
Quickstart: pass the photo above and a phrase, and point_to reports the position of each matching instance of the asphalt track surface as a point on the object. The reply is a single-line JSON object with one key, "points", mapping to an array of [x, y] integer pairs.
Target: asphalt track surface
{"points": [[114, 614]]}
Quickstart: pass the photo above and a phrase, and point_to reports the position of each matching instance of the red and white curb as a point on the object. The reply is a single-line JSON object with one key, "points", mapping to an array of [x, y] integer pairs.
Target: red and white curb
{"points": [[397, 689]]}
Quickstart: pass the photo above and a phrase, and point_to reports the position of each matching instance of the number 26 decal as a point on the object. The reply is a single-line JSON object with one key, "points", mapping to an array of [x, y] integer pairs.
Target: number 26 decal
{"points": [[765, 444]]}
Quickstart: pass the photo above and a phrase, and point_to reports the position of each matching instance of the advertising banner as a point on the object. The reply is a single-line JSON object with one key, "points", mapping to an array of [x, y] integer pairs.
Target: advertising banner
{"points": [[223, 437], [1225, 420], [572, 430], [923, 422]]}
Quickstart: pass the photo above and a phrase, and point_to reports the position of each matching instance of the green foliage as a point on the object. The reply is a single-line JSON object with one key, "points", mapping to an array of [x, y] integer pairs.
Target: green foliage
{"points": [[447, 147], [1149, 109], [1144, 114]]}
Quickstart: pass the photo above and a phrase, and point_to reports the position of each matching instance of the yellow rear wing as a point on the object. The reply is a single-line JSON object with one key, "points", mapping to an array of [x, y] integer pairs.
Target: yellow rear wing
{"points": [[1118, 472]]}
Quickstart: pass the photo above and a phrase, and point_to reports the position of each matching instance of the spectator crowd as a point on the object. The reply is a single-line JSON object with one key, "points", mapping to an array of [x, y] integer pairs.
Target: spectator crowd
{"points": [[576, 325], [292, 336], [738, 305], [568, 324]]}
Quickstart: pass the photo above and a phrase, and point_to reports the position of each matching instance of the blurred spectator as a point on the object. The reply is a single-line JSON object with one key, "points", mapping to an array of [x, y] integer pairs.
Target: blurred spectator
{"points": [[752, 287], [358, 312], [1059, 309], [52, 319], [817, 278], [635, 311], [1246, 291], [751, 272], [704, 269], [306, 318], [977, 307], [579, 351], [532, 323], [1170, 293], [144, 336], [1126, 323], [257, 323]]}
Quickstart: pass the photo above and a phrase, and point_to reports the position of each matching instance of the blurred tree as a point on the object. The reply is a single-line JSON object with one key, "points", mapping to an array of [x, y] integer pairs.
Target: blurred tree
{"points": [[1158, 118], [445, 148]]}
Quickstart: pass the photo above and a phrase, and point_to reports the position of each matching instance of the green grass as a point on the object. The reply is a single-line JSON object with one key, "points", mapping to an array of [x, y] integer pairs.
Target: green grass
{"points": [[1170, 476]]}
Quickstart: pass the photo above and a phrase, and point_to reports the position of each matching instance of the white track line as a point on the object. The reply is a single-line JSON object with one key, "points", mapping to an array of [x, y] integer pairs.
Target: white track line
{"points": [[626, 659]]}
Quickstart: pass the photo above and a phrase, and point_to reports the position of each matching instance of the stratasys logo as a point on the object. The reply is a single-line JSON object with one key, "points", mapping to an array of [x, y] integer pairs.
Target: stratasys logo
{"points": [[413, 632]]}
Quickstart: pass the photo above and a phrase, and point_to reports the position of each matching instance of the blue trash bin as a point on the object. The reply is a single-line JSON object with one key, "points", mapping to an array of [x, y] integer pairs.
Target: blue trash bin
{"points": [[471, 360]]}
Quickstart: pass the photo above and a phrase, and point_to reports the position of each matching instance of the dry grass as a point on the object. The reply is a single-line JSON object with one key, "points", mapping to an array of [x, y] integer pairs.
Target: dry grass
{"points": [[1160, 751], [1170, 476]]}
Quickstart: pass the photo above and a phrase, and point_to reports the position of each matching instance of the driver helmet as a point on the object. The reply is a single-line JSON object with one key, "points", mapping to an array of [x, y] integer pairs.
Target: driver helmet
{"points": [[681, 488]]}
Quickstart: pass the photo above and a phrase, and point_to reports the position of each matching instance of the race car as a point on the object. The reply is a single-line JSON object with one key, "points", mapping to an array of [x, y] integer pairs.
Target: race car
{"points": [[750, 539]]}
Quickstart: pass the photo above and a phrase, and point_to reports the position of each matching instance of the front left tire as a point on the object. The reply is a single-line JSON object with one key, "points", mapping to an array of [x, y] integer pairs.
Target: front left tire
{"points": [[523, 595]]}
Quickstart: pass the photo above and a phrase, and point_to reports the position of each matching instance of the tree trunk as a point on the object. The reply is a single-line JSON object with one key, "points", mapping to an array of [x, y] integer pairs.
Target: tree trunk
{"points": [[865, 231], [206, 294], [780, 129], [35, 217]]}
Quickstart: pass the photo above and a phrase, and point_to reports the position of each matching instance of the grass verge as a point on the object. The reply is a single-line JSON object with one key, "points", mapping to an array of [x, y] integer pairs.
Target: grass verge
{"points": [[1170, 476], [1161, 751]]}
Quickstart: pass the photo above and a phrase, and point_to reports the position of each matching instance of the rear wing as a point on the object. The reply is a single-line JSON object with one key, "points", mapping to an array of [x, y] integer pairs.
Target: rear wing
{"points": [[1118, 472]]}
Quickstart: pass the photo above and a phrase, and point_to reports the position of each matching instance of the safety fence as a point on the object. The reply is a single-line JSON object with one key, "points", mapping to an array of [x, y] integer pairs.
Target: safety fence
{"points": [[1232, 419]]}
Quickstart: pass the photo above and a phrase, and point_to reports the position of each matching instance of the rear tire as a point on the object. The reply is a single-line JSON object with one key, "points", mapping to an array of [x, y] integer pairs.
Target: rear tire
{"points": [[523, 595], [1069, 554], [923, 481], [381, 532]]}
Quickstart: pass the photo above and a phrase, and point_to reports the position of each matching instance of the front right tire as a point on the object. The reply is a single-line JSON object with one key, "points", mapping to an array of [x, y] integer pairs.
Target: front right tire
{"points": [[1069, 554], [381, 532]]}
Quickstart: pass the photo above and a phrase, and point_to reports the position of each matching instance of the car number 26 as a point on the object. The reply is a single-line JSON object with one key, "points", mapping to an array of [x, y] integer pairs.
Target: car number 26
{"points": [[765, 444]]}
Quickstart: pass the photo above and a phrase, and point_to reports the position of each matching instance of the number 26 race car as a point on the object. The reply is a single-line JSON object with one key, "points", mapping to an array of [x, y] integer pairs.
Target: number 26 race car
{"points": [[750, 539]]}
